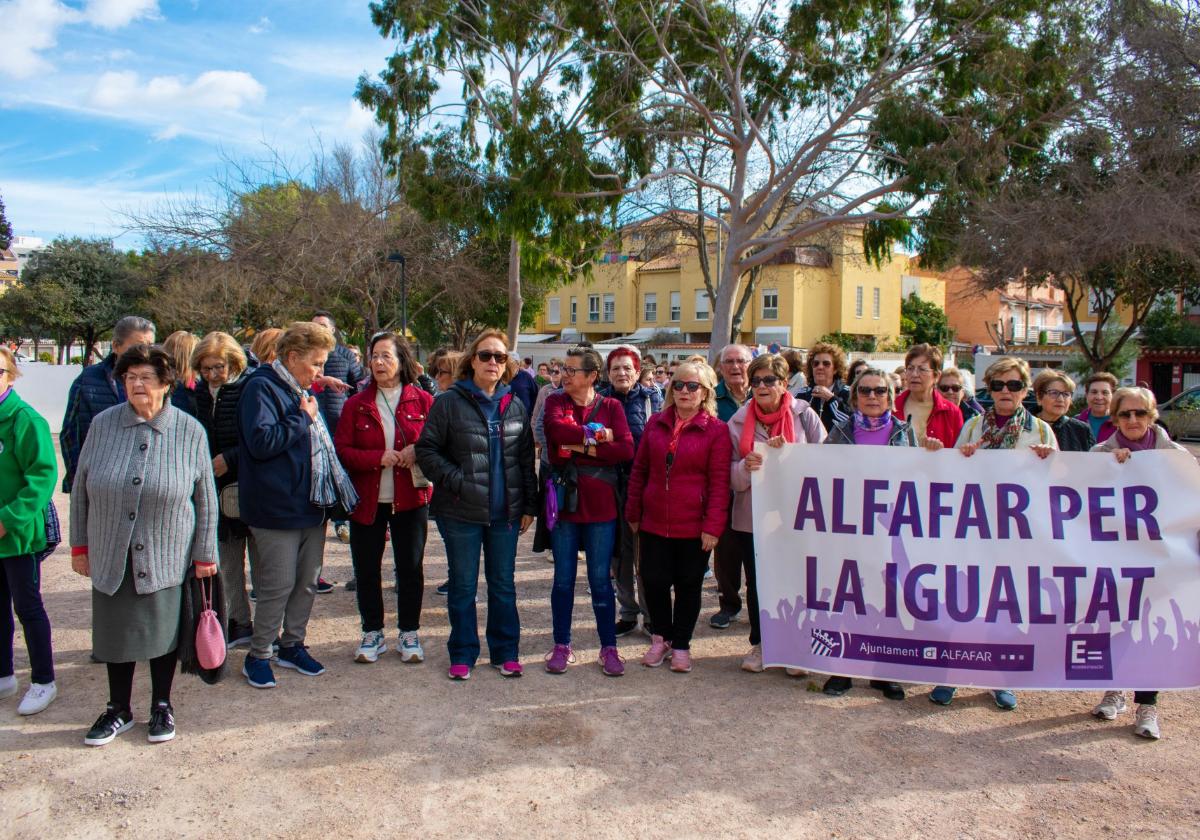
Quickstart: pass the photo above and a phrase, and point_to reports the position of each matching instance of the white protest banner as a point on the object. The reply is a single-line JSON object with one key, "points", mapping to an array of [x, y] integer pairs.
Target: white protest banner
{"points": [[998, 571]]}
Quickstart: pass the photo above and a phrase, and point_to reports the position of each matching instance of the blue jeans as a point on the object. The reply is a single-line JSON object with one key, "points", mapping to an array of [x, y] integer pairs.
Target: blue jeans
{"points": [[597, 540], [498, 541]]}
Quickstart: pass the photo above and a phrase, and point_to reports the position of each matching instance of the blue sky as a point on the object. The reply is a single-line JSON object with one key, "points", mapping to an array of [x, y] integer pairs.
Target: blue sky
{"points": [[117, 105]]}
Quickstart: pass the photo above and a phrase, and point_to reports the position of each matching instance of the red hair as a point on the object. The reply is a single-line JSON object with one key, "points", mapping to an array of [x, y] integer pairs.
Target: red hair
{"points": [[622, 352]]}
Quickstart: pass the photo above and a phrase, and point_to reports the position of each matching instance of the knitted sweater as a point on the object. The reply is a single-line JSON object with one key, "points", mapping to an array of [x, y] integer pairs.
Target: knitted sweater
{"points": [[144, 491]]}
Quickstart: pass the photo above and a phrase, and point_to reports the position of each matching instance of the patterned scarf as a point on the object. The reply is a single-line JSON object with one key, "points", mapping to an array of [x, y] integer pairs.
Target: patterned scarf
{"points": [[1001, 437], [331, 485], [872, 424]]}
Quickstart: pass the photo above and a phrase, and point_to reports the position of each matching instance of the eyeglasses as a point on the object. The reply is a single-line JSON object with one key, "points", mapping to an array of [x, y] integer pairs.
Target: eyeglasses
{"points": [[659, 372], [918, 370], [496, 356], [1056, 394], [769, 381], [206, 370], [1139, 413], [739, 362], [949, 389], [382, 357], [872, 390], [555, 371], [822, 362], [693, 387], [571, 371], [1014, 385], [131, 379]]}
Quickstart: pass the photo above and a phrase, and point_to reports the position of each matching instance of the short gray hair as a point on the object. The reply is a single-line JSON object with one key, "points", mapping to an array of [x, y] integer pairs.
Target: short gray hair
{"points": [[742, 347], [129, 325]]}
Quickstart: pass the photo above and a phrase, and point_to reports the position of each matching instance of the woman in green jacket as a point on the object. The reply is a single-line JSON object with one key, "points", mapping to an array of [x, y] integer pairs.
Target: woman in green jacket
{"points": [[28, 474]]}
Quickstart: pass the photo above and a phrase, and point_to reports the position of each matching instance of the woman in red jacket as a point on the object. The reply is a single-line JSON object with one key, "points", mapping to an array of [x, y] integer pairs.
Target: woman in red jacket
{"points": [[934, 419], [678, 504], [374, 440]]}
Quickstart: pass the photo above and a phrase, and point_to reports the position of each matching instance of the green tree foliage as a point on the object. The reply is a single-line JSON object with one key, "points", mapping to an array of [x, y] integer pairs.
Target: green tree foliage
{"points": [[6, 231], [1166, 327], [1118, 354], [922, 321]]}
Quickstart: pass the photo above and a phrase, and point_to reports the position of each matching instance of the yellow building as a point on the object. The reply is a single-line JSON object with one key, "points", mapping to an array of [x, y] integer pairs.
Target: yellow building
{"points": [[654, 284]]}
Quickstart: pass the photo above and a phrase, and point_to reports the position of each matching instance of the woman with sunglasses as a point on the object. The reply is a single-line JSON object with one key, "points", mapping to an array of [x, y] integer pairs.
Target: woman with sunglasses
{"points": [[872, 423], [1135, 411], [774, 417], [1054, 389], [477, 449], [678, 504], [587, 433], [920, 405], [953, 386], [826, 392], [1006, 425]]}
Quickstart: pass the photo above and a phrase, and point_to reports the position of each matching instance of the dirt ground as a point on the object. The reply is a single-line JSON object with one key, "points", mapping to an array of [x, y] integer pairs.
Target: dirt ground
{"points": [[379, 750]]}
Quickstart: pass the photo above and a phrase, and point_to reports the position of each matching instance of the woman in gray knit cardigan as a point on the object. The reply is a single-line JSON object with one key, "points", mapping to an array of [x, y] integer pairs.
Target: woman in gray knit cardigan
{"points": [[143, 509]]}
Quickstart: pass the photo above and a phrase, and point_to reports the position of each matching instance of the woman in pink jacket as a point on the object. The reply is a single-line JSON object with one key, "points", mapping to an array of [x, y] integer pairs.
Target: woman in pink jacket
{"points": [[678, 502]]}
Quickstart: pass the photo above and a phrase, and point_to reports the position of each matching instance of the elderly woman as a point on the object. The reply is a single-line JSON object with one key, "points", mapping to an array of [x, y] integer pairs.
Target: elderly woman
{"points": [[795, 363], [1099, 389], [376, 440], [477, 449], [1136, 411], [28, 472], [1006, 425], [921, 405], [443, 367], [826, 392], [143, 510], [588, 439], [180, 346], [678, 504], [774, 417], [1054, 389], [872, 423], [289, 482], [221, 364], [952, 385]]}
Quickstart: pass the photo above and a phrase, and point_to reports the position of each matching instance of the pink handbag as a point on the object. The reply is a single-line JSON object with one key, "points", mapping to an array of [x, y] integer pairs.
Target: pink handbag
{"points": [[210, 638]]}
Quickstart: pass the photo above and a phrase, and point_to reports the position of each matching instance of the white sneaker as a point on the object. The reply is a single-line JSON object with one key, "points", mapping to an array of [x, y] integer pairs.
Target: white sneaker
{"points": [[410, 647], [8, 685], [1112, 705], [37, 698], [1146, 724], [371, 646]]}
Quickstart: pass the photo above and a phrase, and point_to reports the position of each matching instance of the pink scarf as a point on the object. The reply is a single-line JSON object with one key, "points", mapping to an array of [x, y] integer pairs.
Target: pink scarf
{"points": [[782, 421]]}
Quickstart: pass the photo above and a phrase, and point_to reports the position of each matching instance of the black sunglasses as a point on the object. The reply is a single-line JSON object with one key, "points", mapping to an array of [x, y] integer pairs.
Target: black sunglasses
{"points": [[1139, 413], [872, 391], [690, 386], [1014, 385], [491, 356], [949, 389], [769, 381]]}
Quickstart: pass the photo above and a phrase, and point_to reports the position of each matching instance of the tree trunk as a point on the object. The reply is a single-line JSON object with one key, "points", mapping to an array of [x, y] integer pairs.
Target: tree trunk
{"points": [[514, 292], [722, 316]]}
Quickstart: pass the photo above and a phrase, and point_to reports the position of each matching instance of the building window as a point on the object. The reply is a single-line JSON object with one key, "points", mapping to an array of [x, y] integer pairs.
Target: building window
{"points": [[554, 311], [610, 308], [858, 300], [650, 307], [875, 303], [574, 310], [701, 305], [770, 304], [675, 306], [593, 309]]}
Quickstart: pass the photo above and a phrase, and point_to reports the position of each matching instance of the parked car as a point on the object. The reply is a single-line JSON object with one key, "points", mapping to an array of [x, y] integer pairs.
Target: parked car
{"points": [[1181, 414], [984, 396]]}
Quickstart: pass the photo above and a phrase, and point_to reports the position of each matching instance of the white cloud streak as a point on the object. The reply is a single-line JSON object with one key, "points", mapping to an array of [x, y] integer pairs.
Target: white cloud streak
{"points": [[32, 26]]}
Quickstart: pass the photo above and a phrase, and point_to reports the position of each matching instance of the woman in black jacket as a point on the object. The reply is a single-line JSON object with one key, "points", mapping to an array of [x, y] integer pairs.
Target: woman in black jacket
{"points": [[477, 449], [220, 363], [1054, 390]]}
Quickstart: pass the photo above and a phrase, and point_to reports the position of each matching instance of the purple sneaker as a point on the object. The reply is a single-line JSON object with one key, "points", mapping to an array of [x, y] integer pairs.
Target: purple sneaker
{"points": [[459, 671], [558, 659], [611, 662], [512, 668]]}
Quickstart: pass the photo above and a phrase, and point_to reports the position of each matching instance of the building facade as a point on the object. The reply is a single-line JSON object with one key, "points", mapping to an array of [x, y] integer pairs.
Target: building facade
{"points": [[1016, 315]]}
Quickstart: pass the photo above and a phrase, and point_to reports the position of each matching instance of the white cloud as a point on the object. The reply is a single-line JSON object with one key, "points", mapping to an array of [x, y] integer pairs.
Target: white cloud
{"points": [[335, 61], [78, 208], [264, 25], [30, 26], [360, 120], [114, 14], [215, 90], [169, 133]]}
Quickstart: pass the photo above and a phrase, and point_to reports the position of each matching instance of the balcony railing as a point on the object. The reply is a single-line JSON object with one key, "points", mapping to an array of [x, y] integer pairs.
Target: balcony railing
{"points": [[1032, 335]]}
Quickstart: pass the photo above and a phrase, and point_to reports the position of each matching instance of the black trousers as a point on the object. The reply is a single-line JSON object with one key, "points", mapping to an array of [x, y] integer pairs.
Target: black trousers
{"points": [[728, 560], [745, 543], [668, 563], [409, 529], [162, 675], [1150, 698]]}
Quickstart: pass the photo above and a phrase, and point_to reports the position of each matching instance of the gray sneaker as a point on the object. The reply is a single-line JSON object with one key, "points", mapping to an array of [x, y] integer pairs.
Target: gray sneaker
{"points": [[410, 647], [1112, 705], [1146, 724], [371, 646], [721, 620]]}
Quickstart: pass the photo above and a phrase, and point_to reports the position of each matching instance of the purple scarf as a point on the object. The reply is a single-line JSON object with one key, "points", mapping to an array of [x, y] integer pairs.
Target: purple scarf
{"points": [[1148, 441]]}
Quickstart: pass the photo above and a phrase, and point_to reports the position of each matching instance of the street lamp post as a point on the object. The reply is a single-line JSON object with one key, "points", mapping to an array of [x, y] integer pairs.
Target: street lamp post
{"points": [[397, 257]]}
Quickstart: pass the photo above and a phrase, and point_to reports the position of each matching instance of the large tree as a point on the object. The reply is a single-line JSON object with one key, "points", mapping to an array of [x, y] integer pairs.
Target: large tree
{"points": [[512, 145], [6, 231], [826, 115], [1108, 209]]}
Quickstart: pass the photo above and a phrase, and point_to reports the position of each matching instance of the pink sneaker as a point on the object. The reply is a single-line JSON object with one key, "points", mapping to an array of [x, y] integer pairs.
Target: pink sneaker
{"points": [[459, 672], [659, 650], [681, 661], [611, 662], [511, 668], [558, 659]]}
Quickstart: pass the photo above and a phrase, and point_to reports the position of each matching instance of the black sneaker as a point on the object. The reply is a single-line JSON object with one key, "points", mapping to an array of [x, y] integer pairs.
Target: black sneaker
{"points": [[109, 725], [324, 587], [162, 723], [721, 620], [625, 627], [239, 634], [836, 686], [443, 588]]}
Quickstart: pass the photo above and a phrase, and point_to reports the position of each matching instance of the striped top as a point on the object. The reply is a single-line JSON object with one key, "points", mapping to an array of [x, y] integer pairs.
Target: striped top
{"points": [[144, 490]]}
